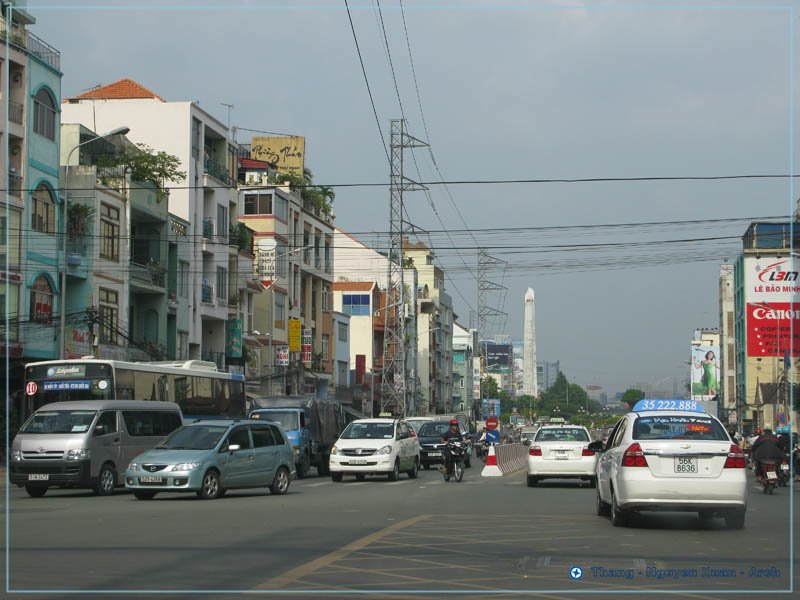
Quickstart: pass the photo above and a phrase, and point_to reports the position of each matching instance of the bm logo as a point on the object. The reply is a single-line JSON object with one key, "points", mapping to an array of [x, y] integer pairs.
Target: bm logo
{"points": [[774, 274]]}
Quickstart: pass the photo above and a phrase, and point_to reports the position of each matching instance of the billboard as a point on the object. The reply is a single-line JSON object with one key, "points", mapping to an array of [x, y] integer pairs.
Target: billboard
{"points": [[498, 356], [282, 356], [705, 372], [287, 153], [772, 291]]}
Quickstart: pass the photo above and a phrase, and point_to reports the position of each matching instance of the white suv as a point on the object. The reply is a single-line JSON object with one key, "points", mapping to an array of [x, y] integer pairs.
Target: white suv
{"points": [[372, 446]]}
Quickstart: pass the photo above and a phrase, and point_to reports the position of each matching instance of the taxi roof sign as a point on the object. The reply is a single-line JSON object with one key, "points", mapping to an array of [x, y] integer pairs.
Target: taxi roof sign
{"points": [[667, 404]]}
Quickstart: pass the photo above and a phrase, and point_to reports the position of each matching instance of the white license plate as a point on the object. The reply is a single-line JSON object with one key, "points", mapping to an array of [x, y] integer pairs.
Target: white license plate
{"points": [[561, 455], [38, 477], [772, 475], [358, 461], [434, 453], [784, 467], [150, 479], [686, 464]]}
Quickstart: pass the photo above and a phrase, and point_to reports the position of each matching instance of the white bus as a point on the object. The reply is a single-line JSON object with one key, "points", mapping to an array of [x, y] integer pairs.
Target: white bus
{"points": [[196, 386]]}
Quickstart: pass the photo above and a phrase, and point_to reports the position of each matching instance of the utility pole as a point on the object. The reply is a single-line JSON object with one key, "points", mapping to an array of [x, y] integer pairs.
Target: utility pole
{"points": [[485, 288], [394, 380]]}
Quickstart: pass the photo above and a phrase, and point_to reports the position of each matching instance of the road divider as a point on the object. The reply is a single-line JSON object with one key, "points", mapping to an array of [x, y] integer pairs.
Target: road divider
{"points": [[505, 459]]}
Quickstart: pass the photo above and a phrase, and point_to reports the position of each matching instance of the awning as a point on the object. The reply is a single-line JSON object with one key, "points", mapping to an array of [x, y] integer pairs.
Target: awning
{"points": [[353, 412], [323, 376]]}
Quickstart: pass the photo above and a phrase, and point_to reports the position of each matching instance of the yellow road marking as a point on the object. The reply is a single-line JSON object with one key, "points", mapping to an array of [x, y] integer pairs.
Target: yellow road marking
{"points": [[323, 561]]}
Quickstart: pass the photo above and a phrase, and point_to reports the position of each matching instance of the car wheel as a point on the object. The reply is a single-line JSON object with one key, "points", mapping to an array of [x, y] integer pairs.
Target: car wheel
{"points": [[533, 481], [360, 476], [394, 475], [36, 491], [144, 495], [106, 481], [603, 508], [337, 477], [618, 517], [734, 519], [324, 467], [211, 487], [280, 485], [412, 474]]}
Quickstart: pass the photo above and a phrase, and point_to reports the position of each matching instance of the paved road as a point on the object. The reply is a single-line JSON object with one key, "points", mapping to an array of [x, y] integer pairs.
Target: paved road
{"points": [[477, 537]]}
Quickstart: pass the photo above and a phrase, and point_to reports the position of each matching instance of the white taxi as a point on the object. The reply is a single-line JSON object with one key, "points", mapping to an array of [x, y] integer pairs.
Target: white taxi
{"points": [[669, 455], [559, 452], [375, 446]]}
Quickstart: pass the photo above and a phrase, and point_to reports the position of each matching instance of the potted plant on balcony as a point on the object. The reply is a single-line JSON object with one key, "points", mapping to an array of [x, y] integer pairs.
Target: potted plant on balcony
{"points": [[79, 223]]}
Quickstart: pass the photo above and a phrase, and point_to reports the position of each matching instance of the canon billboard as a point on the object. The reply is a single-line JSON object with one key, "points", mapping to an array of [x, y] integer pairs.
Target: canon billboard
{"points": [[772, 295]]}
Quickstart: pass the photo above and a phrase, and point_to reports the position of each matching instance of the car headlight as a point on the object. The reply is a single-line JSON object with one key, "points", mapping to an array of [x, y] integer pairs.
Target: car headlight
{"points": [[133, 467], [78, 454], [16, 455], [334, 450], [385, 450], [185, 466]]}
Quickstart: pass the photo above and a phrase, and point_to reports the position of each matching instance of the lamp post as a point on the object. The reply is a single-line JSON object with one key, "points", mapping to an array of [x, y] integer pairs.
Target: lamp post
{"points": [[118, 131]]}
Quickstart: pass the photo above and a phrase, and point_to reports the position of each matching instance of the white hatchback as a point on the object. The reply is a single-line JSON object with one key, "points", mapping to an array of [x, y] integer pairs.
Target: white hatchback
{"points": [[561, 452], [373, 446], [671, 460]]}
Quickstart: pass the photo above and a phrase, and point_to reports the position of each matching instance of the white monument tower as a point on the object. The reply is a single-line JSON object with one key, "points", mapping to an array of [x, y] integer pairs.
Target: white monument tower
{"points": [[529, 379]]}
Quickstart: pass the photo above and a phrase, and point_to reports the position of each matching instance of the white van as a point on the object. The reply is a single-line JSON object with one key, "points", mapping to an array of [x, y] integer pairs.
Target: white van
{"points": [[87, 444]]}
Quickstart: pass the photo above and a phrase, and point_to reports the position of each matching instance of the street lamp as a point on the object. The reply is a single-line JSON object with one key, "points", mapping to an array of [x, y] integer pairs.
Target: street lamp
{"points": [[118, 131]]}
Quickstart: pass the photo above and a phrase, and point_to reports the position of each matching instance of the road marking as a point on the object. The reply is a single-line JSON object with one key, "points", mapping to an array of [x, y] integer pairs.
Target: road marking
{"points": [[399, 482], [293, 575], [316, 484], [543, 562]]}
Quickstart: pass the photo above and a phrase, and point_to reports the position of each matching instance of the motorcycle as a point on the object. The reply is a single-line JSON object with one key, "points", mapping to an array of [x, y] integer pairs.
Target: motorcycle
{"points": [[783, 473], [769, 475], [454, 466]]}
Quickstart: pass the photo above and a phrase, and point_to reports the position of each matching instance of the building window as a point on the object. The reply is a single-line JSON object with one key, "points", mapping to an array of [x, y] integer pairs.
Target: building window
{"points": [[9, 297], [41, 300], [109, 316], [342, 331], [280, 311], [43, 210], [258, 204], [342, 373], [44, 115], [222, 283], [109, 232], [183, 345], [326, 300], [10, 227], [222, 221], [195, 138], [325, 340], [357, 305], [183, 279]]}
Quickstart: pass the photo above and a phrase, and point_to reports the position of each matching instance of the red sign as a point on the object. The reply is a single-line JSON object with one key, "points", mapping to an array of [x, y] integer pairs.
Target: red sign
{"points": [[361, 368], [773, 329], [31, 388], [491, 423]]}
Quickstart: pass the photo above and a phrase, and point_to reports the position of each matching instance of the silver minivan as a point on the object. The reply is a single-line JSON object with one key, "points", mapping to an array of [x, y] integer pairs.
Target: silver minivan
{"points": [[87, 444]]}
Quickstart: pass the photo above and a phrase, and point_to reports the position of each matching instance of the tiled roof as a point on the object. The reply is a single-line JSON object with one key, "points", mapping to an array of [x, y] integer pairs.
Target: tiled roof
{"points": [[251, 163], [353, 286], [123, 89]]}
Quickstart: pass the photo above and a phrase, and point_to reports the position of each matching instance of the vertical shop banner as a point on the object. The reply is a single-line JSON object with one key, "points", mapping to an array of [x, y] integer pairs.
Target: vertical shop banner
{"points": [[295, 335], [772, 295], [234, 338], [705, 372], [282, 356], [306, 349]]}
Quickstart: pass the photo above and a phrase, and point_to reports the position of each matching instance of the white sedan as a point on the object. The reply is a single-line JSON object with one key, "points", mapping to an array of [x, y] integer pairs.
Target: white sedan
{"points": [[560, 452], [671, 460]]}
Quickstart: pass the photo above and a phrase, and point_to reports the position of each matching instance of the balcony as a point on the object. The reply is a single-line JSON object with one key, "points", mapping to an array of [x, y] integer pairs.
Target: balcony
{"points": [[318, 263], [151, 274], [217, 358], [15, 185], [207, 293], [208, 229], [24, 39], [16, 113], [217, 171]]}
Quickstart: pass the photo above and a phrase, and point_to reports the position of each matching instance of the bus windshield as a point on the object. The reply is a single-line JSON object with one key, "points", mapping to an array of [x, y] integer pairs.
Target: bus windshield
{"points": [[59, 421], [68, 381]]}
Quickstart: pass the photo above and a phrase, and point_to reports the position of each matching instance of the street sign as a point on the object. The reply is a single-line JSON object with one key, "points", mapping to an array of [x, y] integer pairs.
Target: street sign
{"points": [[492, 436], [491, 423]]}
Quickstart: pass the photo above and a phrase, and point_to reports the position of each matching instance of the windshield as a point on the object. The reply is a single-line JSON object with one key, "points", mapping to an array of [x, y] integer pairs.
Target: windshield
{"points": [[678, 427], [59, 421], [368, 431], [417, 425], [289, 420], [434, 429], [562, 434], [194, 437]]}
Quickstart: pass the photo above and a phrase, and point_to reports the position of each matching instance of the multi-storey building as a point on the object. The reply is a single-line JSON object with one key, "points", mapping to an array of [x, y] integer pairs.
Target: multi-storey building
{"points": [[464, 345], [727, 343], [30, 92], [206, 198], [293, 245]]}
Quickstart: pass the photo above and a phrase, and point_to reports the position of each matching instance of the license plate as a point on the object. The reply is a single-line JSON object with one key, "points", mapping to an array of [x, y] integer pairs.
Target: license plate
{"points": [[686, 464], [772, 475], [358, 461], [434, 453], [561, 455], [38, 477], [784, 467], [150, 479]]}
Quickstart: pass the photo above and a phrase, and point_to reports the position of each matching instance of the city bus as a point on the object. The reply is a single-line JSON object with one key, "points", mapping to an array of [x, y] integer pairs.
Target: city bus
{"points": [[196, 386]]}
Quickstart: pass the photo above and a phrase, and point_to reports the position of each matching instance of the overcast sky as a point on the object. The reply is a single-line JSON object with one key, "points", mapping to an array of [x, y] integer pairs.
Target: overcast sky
{"points": [[529, 90]]}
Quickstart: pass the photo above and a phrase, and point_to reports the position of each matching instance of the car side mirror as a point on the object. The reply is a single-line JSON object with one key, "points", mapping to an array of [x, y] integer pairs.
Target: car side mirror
{"points": [[100, 430], [597, 446], [233, 448]]}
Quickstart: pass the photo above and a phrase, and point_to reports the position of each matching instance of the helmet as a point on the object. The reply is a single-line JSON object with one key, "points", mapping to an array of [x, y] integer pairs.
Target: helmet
{"points": [[453, 421], [758, 431]]}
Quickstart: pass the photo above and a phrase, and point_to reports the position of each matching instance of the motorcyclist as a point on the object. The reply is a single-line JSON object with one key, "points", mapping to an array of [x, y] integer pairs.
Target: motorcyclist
{"points": [[453, 433], [766, 447]]}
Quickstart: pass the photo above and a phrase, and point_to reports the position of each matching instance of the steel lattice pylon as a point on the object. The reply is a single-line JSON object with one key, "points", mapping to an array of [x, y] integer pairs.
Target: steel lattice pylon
{"points": [[394, 388]]}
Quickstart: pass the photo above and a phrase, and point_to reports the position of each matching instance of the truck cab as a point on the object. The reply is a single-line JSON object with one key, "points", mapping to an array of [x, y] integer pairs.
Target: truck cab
{"points": [[293, 422]]}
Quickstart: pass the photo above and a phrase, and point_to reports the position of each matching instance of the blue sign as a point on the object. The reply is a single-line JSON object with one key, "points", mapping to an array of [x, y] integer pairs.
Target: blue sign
{"points": [[492, 436], [59, 386], [680, 405]]}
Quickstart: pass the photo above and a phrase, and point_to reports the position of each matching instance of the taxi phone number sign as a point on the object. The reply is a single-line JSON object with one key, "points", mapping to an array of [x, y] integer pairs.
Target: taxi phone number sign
{"points": [[684, 405]]}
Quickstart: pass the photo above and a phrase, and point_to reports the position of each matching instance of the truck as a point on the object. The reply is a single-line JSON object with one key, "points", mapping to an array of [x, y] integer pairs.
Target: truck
{"points": [[312, 426]]}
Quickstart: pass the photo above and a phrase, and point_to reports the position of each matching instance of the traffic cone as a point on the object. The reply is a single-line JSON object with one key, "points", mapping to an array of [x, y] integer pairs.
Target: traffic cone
{"points": [[491, 469]]}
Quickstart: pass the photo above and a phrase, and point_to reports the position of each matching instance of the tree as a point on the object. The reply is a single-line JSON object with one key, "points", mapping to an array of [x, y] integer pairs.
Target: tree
{"points": [[631, 397], [146, 165]]}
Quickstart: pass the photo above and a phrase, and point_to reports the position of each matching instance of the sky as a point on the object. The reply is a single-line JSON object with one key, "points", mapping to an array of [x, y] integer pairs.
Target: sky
{"points": [[512, 90]]}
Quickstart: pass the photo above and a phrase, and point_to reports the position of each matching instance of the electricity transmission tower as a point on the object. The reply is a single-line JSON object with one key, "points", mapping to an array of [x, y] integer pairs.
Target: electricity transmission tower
{"points": [[486, 312]]}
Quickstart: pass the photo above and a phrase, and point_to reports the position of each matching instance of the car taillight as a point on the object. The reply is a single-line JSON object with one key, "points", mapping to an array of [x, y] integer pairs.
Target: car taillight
{"points": [[735, 458], [634, 457], [535, 451], [587, 452]]}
